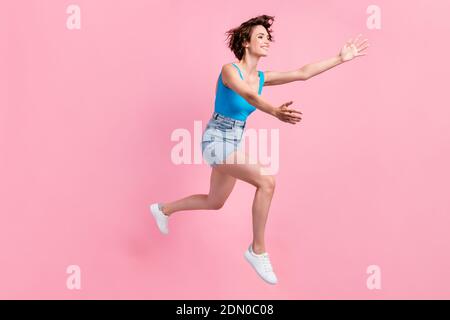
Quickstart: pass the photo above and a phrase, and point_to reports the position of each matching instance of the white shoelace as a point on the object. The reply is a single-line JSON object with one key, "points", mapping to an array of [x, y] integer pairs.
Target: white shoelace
{"points": [[266, 263]]}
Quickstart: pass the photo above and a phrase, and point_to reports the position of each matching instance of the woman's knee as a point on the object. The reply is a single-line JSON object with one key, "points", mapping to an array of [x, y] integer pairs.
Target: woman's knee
{"points": [[267, 183], [215, 204]]}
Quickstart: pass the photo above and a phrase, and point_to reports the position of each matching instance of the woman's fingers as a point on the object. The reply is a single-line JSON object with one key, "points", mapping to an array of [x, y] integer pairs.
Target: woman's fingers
{"points": [[292, 118], [357, 39], [284, 110], [289, 115], [288, 103], [291, 112], [362, 49], [290, 121], [360, 44]]}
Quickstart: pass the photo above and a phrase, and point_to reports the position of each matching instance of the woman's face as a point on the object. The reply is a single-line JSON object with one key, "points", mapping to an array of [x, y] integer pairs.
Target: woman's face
{"points": [[259, 41]]}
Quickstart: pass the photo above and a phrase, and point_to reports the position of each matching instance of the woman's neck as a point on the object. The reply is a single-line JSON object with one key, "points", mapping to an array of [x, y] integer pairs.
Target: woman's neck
{"points": [[249, 66]]}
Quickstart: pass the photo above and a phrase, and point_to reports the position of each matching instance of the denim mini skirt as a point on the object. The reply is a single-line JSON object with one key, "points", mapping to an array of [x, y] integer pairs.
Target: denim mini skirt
{"points": [[221, 137]]}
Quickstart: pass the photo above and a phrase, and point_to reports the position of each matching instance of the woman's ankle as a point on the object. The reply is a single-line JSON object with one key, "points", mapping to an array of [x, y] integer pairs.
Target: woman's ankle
{"points": [[164, 210], [258, 249]]}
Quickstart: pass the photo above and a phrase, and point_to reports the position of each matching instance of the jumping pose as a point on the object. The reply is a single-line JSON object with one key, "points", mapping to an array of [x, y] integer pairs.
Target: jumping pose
{"points": [[238, 94]]}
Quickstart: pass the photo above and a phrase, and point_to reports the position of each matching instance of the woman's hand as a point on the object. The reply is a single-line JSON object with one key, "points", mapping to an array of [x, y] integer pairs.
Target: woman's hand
{"points": [[287, 115], [353, 49]]}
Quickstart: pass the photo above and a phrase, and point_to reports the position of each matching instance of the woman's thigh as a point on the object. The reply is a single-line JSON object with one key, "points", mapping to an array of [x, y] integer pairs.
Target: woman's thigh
{"points": [[241, 166], [221, 185]]}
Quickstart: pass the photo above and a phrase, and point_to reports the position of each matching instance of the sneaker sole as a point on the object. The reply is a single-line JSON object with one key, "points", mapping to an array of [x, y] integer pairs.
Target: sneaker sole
{"points": [[247, 257]]}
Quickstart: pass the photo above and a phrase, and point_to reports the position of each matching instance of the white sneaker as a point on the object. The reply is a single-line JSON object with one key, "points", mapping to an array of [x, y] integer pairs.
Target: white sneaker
{"points": [[261, 263], [161, 219]]}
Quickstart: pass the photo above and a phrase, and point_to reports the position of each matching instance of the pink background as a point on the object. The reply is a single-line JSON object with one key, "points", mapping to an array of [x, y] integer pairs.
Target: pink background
{"points": [[85, 123]]}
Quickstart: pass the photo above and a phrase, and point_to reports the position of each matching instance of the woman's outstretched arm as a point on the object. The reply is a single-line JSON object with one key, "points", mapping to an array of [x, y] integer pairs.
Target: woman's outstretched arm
{"points": [[352, 49]]}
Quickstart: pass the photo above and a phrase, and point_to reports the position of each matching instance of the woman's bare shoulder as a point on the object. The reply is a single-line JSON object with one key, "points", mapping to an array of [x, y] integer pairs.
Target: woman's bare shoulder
{"points": [[226, 65], [224, 74]]}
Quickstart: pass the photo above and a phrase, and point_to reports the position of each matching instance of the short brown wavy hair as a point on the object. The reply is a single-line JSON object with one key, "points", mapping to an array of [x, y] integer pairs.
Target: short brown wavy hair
{"points": [[237, 36]]}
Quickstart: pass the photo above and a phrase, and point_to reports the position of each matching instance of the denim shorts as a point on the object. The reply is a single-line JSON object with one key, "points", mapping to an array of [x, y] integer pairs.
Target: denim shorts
{"points": [[222, 136]]}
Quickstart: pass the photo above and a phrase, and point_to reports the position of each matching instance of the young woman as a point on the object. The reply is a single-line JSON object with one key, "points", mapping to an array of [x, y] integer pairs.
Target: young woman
{"points": [[238, 94]]}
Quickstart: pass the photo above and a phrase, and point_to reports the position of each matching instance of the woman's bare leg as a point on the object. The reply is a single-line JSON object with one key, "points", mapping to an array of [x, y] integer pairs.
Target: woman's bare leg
{"points": [[242, 169], [220, 188]]}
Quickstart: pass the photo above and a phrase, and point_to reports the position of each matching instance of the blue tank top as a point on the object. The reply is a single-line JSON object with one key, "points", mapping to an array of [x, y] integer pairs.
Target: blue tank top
{"points": [[230, 104]]}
